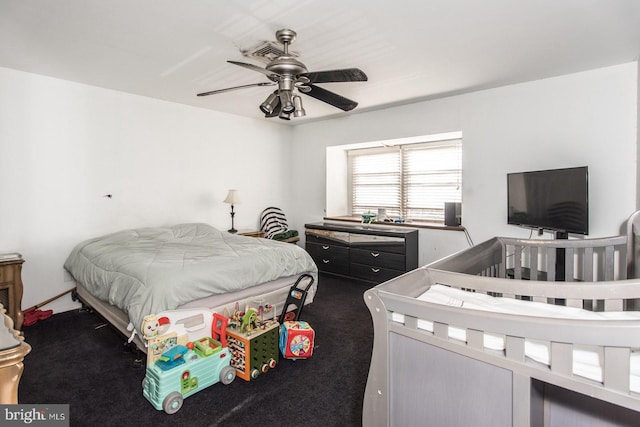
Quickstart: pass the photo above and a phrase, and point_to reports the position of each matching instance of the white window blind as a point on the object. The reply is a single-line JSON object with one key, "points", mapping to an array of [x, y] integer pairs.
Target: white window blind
{"points": [[410, 181]]}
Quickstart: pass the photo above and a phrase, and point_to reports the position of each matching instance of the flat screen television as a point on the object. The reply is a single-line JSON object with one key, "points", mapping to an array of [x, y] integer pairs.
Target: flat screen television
{"points": [[556, 199]]}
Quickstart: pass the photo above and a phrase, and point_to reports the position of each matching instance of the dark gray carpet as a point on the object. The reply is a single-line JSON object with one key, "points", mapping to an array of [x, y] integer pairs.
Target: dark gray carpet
{"points": [[75, 361]]}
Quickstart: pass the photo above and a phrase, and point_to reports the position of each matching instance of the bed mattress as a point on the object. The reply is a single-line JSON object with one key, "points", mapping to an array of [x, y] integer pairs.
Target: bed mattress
{"points": [[149, 270]]}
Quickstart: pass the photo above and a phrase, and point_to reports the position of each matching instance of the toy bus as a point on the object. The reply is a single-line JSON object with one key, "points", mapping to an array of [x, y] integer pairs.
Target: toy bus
{"points": [[180, 369]]}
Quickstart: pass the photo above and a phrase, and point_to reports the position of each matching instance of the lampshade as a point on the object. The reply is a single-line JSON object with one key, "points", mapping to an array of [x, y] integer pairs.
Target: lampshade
{"points": [[232, 197]]}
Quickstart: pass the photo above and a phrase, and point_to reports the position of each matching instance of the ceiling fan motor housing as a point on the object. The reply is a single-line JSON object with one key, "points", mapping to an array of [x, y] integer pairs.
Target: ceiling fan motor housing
{"points": [[286, 65]]}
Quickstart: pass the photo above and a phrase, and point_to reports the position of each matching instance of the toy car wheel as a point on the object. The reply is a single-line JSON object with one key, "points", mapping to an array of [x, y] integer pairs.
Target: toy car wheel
{"points": [[172, 403], [255, 373], [272, 363], [227, 375]]}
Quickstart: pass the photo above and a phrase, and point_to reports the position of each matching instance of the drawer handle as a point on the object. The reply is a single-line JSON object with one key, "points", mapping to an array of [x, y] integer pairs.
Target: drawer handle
{"points": [[375, 270], [326, 261], [325, 247], [375, 254]]}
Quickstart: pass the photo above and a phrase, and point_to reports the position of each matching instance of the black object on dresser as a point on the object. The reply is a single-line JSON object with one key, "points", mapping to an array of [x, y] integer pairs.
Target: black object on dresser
{"points": [[366, 253]]}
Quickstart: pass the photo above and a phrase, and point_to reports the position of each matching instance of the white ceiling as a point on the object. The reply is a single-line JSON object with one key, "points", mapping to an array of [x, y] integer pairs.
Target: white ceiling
{"points": [[410, 49]]}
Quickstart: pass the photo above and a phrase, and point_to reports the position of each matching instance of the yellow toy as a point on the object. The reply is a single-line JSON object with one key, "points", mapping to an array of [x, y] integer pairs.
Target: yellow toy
{"points": [[150, 326]]}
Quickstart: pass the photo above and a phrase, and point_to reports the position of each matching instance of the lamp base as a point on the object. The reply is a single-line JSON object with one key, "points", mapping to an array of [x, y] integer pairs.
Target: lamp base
{"points": [[232, 230]]}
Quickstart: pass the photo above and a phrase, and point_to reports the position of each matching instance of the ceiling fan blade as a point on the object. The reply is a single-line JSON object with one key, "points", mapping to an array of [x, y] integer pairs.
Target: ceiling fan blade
{"points": [[213, 92], [333, 76], [331, 98], [255, 68]]}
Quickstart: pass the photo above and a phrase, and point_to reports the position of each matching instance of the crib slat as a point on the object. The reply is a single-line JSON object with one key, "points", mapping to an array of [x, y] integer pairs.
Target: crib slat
{"points": [[616, 368], [551, 262], [514, 348], [562, 358], [440, 330], [568, 265], [577, 303], [533, 262], [475, 339], [587, 266], [517, 262], [608, 263], [502, 268], [613, 305], [410, 322]]}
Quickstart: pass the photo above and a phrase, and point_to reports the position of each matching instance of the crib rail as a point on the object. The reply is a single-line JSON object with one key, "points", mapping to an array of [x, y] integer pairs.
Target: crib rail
{"points": [[588, 260], [615, 340]]}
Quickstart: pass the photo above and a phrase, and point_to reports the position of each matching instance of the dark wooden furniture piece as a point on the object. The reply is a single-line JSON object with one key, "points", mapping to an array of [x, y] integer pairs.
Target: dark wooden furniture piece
{"points": [[252, 233], [372, 254], [262, 234], [11, 287]]}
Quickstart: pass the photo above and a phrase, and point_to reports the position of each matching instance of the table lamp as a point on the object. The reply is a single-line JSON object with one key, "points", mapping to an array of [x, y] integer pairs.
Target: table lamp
{"points": [[232, 198]]}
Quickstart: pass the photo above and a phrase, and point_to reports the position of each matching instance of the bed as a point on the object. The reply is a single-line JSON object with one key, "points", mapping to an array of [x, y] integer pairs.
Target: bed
{"points": [[489, 337], [127, 275]]}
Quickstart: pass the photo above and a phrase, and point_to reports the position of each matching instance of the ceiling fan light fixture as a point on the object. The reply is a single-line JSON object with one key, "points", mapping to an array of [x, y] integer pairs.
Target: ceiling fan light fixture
{"points": [[269, 104], [287, 104], [284, 116], [297, 103]]}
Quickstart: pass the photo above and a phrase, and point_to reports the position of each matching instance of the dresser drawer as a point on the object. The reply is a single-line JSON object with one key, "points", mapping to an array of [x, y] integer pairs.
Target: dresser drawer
{"points": [[329, 258], [378, 259], [372, 274], [377, 243], [327, 237]]}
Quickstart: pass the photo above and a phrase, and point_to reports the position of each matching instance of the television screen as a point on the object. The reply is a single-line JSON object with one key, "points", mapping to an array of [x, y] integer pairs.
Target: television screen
{"points": [[556, 199]]}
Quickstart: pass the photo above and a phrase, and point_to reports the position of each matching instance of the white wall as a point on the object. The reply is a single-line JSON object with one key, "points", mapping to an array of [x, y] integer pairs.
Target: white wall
{"points": [[63, 146], [587, 118]]}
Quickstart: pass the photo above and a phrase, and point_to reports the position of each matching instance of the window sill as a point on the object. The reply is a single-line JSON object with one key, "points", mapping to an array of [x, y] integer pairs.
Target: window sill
{"points": [[414, 224]]}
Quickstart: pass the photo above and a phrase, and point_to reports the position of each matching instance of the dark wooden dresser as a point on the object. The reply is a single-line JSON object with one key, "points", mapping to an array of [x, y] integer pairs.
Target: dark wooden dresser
{"points": [[372, 254]]}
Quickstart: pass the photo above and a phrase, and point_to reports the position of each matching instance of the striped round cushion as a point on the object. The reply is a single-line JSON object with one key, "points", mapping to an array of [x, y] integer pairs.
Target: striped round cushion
{"points": [[272, 222]]}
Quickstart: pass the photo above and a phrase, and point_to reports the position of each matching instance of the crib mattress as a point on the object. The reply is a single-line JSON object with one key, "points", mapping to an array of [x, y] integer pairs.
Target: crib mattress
{"points": [[588, 361]]}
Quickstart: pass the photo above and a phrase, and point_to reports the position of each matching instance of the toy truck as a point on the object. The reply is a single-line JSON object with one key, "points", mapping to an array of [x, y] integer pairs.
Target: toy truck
{"points": [[178, 368]]}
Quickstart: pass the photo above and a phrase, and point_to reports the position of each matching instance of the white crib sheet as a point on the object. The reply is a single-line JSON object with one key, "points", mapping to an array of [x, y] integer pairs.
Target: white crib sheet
{"points": [[587, 360]]}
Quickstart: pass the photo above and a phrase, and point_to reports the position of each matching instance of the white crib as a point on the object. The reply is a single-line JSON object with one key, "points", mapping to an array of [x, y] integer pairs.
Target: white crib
{"points": [[428, 375]]}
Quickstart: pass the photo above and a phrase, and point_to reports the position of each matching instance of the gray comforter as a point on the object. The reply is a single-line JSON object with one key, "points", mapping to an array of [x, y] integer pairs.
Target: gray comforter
{"points": [[148, 270]]}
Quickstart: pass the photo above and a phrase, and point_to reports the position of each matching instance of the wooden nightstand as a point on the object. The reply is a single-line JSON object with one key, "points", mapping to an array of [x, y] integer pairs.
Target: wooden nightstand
{"points": [[252, 233], [11, 287], [262, 234]]}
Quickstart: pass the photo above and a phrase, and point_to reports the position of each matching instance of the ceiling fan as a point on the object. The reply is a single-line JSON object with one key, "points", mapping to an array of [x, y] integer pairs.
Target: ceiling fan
{"points": [[289, 74]]}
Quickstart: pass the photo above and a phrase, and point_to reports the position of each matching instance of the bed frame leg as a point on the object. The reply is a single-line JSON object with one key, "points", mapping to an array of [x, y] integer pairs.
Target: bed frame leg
{"points": [[139, 360]]}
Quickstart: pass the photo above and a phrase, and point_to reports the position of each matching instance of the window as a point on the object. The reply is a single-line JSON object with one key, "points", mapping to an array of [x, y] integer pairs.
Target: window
{"points": [[411, 181]]}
